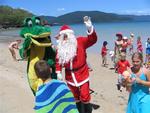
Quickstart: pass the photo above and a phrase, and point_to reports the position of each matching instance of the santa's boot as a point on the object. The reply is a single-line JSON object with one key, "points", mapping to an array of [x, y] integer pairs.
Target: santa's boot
{"points": [[80, 107], [88, 108]]}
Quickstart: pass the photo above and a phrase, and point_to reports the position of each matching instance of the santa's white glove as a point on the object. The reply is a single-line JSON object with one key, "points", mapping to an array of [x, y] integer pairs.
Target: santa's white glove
{"points": [[88, 24], [59, 76]]}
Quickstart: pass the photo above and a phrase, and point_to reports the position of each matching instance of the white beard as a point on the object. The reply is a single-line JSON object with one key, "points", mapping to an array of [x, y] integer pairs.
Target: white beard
{"points": [[66, 49]]}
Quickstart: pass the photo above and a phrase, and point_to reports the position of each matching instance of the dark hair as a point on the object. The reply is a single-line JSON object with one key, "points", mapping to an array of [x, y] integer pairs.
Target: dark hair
{"points": [[42, 69], [139, 55], [139, 38], [123, 51], [105, 43], [119, 35]]}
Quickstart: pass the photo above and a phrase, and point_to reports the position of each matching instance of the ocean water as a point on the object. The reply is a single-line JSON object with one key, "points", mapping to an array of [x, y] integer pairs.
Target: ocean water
{"points": [[105, 32]]}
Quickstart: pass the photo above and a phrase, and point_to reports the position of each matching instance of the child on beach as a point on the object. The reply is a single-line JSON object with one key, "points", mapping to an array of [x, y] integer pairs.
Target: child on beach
{"points": [[139, 97], [122, 65], [125, 44], [139, 45], [147, 50], [130, 43], [147, 64], [53, 96], [104, 54], [111, 54], [118, 48], [14, 46]]}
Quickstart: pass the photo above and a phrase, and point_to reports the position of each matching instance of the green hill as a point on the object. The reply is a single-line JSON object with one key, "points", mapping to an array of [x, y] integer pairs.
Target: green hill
{"points": [[10, 17], [77, 17]]}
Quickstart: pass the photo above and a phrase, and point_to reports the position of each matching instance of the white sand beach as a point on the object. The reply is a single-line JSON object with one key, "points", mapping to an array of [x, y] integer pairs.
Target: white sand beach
{"points": [[16, 96]]}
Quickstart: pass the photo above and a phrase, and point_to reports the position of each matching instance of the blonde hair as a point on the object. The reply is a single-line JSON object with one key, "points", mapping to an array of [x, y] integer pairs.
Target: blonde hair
{"points": [[139, 55]]}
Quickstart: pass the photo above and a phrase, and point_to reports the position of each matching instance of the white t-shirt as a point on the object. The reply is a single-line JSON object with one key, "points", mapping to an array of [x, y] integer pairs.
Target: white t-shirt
{"points": [[111, 53]]}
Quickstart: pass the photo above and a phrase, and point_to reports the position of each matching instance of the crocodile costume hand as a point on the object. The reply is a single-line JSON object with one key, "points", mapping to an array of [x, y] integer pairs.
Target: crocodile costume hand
{"points": [[36, 46]]}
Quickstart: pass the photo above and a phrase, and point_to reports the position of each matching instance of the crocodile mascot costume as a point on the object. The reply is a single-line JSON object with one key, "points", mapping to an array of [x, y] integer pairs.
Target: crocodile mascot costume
{"points": [[36, 46]]}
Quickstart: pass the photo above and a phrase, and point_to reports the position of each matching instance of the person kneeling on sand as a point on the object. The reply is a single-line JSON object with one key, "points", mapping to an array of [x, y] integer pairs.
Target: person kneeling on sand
{"points": [[53, 96], [12, 46]]}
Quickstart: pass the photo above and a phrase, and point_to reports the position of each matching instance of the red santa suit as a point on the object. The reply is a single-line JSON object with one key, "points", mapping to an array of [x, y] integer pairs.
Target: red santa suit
{"points": [[76, 71]]}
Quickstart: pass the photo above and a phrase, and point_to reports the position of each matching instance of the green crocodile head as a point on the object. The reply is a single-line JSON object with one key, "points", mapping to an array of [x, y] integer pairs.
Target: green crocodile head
{"points": [[38, 34]]}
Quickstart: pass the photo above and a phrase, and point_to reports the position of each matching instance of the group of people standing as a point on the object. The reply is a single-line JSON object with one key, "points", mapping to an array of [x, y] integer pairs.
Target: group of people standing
{"points": [[125, 44], [75, 93], [135, 77], [70, 55], [121, 45]]}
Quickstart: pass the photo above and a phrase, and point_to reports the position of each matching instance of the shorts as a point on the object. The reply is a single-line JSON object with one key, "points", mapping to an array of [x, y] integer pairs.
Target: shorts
{"points": [[148, 51], [104, 58], [120, 78]]}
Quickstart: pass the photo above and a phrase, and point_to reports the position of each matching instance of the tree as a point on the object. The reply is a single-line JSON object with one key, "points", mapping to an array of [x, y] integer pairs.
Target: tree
{"points": [[10, 17]]}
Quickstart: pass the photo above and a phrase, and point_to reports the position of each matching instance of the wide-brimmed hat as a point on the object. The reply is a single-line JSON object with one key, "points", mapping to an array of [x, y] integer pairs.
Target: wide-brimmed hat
{"points": [[119, 35], [132, 35], [125, 38]]}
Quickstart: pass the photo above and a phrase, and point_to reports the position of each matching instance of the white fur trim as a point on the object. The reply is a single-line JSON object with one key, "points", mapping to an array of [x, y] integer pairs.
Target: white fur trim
{"points": [[59, 76], [74, 79], [66, 31], [91, 30], [73, 76], [78, 84], [58, 72]]}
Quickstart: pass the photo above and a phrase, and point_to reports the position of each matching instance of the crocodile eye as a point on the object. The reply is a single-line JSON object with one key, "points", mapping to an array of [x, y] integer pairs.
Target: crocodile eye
{"points": [[37, 22], [30, 23]]}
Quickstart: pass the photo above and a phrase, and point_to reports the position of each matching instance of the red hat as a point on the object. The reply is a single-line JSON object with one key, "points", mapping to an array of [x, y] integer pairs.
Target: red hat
{"points": [[65, 29], [119, 35]]}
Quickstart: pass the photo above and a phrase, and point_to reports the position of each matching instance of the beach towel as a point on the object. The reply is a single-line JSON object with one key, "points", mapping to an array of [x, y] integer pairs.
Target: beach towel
{"points": [[55, 97]]}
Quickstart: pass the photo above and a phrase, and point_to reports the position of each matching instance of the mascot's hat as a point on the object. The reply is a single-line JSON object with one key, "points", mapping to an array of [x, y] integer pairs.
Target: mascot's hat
{"points": [[65, 29]]}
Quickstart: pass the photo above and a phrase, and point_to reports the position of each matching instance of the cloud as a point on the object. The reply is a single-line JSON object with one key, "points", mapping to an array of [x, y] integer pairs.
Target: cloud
{"points": [[22, 8], [136, 12], [61, 9]]}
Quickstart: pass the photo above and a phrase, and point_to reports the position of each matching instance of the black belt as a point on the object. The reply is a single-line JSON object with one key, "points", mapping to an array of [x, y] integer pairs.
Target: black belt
{"points": [[75, 69]]}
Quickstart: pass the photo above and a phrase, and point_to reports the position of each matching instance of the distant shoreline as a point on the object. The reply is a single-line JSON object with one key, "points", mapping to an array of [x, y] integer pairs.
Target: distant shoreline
{"points": [[6, 39], [9, 34], [9, 28], [104, 32]]}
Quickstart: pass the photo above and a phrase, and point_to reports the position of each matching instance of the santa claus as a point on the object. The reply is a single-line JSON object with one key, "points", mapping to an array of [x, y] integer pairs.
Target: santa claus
{"points": [[71, 54]]}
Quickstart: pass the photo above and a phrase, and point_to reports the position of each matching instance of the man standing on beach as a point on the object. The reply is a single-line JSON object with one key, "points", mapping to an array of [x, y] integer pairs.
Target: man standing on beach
{"points": [[118, 48], [71, 54]]}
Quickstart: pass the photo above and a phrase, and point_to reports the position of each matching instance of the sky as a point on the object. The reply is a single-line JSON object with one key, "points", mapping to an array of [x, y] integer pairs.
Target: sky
{"points": [[60, 7]]}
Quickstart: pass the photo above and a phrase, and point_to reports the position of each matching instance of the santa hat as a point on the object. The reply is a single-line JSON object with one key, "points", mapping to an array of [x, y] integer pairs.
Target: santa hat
{"points": [[65, 29]]}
